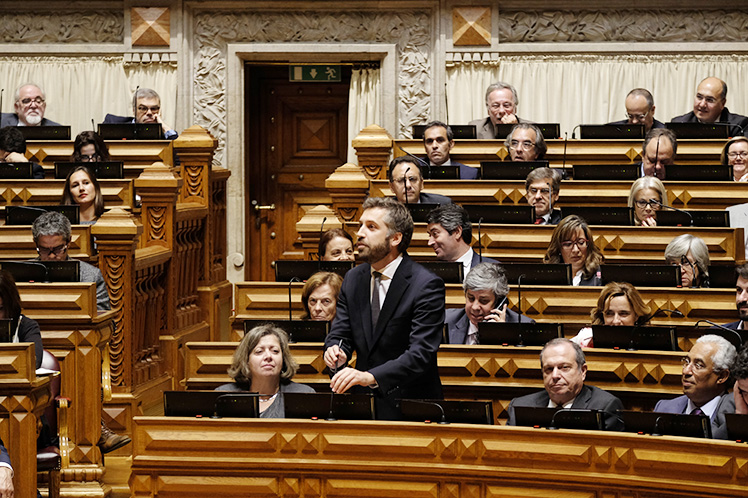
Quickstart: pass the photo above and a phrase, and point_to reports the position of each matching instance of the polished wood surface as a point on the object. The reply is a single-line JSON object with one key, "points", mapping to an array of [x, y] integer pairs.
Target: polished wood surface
{"points": [[117, 193], [16, 242], [265, 457]]}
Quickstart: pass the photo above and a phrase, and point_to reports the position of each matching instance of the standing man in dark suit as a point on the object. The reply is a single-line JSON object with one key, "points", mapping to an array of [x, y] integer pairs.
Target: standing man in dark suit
{"points": [[542, 189], [450, 234], [6, 473], [30, 104], [564, 370], [406, 181], [390, 312], [485, 289], [146, 106], [709, 107], [438, 140], [706, 372], [501, 103], [741, 298], [640, 109]]}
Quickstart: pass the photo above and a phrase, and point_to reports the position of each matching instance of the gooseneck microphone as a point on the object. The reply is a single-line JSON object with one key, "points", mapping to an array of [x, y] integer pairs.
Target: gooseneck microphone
{"points": [[405, 186], [417, 159], [573, 131], [321, 232], [658, 203], [563, 164], [480, 245], [443, 421], [722, 327], [290, 303], [519, 295]]}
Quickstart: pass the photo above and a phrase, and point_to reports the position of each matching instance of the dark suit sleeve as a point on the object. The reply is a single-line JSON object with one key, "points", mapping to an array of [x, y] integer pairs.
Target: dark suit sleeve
{"points": [[426, 325], [341, 324], [4, 457], [613, 421], [719, 425], [510, 412], [28, 331]]}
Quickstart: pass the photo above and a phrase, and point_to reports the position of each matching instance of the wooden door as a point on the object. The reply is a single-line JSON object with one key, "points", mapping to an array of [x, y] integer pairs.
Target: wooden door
{"points": [[296, 137]]}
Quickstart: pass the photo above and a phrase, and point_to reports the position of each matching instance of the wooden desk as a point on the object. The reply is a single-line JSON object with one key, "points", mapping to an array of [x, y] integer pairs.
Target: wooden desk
{"points": [[257, 458], [23, 398], [117, 193], [16, 242]]}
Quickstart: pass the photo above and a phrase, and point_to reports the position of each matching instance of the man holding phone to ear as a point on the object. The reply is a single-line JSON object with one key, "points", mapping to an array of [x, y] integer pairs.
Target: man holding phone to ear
{"points": [[486, 291]]}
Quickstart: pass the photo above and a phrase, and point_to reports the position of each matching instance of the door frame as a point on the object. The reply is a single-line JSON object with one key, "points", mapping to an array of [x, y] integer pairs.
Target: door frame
{"points": [[236, 153]]}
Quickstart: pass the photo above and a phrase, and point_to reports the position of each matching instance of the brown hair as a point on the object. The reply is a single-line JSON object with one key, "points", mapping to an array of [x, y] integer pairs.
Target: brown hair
{"points": [[239, 370], [11, 299], [329, 235], [562, 233], [318, 280], [67, 197], [726, 148], [616, 289], [90, 138]]}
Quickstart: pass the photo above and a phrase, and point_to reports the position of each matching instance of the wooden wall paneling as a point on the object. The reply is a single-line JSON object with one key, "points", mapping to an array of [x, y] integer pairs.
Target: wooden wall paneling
{"points": [[16, 242]]}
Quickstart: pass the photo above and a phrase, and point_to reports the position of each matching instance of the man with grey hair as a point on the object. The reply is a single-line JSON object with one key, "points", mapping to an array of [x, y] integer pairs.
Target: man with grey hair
{"points": [[705, 379], [485, 289], [640, 109], [564, 370], [525, 143], [450, 234], [30, 104], [146, 106], [542, 189], [501, 103], [390, 312], [658, 151], [709, 107]]}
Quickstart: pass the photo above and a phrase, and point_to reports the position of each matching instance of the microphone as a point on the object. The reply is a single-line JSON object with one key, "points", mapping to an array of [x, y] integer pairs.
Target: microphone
{"points": [[417, 159], [690, 217], [1, 99], [321, 228], [519, 294], [331, 412], [638, 324], [93, 125], [480, 246], [290, 303], [563, 164], [405, 185], [550, 201], [732, 332], [446, 104], [672, 312], [443, 421], [573, 131], [135, 119]]}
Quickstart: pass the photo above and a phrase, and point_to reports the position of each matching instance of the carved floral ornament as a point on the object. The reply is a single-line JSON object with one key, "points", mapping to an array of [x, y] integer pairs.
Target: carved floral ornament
{"points": [[99, 26]]}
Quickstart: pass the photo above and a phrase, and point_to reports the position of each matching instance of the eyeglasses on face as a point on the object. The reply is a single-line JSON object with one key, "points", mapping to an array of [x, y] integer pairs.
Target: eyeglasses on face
{"points": [[637, 117], [643, 203], [742, 154], [543, 191], [145, 108], [28, 101], [708, 100], [580, 243], [56, 251], [525, 145], [696, 365]]}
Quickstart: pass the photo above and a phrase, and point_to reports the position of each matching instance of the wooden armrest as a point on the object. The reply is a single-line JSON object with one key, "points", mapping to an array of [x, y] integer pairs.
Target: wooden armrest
{"points": [[62, 428]]}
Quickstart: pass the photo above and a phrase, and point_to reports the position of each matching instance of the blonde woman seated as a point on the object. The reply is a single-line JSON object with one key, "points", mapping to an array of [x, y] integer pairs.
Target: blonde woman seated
{"points": [[643, 191], [619, 304], [320, 296], [572, 243], [691, 253], [735, 153], [263, 364]]}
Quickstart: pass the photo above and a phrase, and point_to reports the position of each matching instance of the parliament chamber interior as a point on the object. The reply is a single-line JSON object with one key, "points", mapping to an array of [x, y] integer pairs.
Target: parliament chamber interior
{"points": [[258, 127]]}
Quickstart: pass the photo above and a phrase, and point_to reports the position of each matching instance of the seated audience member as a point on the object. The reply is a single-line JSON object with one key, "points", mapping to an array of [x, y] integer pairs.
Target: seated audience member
{"points": [[640, 109], [542, 187], [740, 372], [735, 154], [709, 107], [26, 329], [336, 245], [525, 143], [706, 372], [89, 148], [13, 150], [572, 243], [619, 304], [438, 141], [564, 370], [263, 364], [6, 474], [658, 152], [643, 192], [692, 254], [406, 182], [741, 298], [501, 103], [30, 105], [450, 234], [485, 289], [320, 296], [146, 105], [52, 234], [82, 188]]}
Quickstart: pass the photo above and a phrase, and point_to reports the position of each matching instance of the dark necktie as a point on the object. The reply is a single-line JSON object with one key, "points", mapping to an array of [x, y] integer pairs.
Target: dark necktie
{"points": [[375, 306], [697, 411]]}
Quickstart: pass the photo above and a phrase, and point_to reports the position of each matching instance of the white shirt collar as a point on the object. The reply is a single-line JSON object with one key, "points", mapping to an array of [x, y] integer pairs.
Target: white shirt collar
{"points": [[448, 162], [388, 272], [708, 408], [568, 404]]}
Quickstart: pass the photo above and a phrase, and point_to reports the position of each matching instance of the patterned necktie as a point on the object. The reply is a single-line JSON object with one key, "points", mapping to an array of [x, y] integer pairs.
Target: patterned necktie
{"points": [[697, 411], [375, 306]]}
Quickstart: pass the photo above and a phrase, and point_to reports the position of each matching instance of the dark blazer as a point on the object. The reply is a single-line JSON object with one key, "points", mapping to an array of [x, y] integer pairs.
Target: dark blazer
{"points": [[680, 405], [590, 398], [11, 119], [4, 457], [458, 324], [724, 117], [434, 199], [655, 123], [477, 260], [732, 325], [594, 280], [401, 352], [111, 118], [555, 218], [466, 172], [28, 331], [485, 130]]}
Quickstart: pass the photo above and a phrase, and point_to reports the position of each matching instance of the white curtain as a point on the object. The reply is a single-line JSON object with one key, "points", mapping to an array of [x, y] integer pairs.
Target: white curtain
{"points": [[364, 106], [81, 89], [587, 89]]}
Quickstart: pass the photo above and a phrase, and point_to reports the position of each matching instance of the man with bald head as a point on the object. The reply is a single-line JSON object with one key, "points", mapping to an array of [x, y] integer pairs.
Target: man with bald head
{"points": [[640, 109], [709, 107], [30, 104]]}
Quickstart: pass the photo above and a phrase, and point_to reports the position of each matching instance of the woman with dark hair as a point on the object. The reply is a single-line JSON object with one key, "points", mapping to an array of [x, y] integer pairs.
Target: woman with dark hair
{"points": [[320, 296], [24, 328], [263, 364], [572, 243], [336, 245], [89, 148], [619, 304], [82, 188]]}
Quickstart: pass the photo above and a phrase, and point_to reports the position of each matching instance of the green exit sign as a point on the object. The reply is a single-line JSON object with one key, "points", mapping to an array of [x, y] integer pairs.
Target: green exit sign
{"points": [[318, 72]]}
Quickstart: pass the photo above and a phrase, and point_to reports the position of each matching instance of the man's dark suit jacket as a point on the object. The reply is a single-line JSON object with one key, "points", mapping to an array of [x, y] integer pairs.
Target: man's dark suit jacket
{"points": [[589, 398], [555, 218], [680, 405], [485, 130], [4, 457], [655, 123], [732, 325], [466, 172], [477, 260], [11, 119], [401, 352], [434, 199], [111, 118], [458, 323], [724, 117]]}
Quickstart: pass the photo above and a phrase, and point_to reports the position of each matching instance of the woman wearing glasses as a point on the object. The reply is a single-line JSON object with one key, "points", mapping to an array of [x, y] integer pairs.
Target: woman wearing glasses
{"points": [[735, 153], [692, 255], [89, 148], [646, 197], [572, 243]]}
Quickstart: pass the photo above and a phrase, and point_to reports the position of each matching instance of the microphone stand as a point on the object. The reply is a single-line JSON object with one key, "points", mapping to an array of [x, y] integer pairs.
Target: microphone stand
{"points": [[319, 250], [480, 246], [290, 317], [732, 332], [443, 421], [658, 203]]}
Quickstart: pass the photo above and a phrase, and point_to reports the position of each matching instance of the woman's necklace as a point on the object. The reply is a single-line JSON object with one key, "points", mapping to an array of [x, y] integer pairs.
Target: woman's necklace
{"points": [[264, 398]]}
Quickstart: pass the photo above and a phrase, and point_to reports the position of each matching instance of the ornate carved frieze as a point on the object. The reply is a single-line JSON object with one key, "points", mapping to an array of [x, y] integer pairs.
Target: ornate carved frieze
{"points": [[527, 26], [100, 26], [410, 30]]}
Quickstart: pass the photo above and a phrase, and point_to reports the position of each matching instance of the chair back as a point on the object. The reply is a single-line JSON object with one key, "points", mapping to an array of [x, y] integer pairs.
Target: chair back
{"points": [[50, 362]]}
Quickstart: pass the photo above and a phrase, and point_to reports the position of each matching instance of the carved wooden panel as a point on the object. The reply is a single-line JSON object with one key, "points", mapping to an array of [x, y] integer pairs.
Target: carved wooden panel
{"points": [[136, 154], [16, 242]]}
